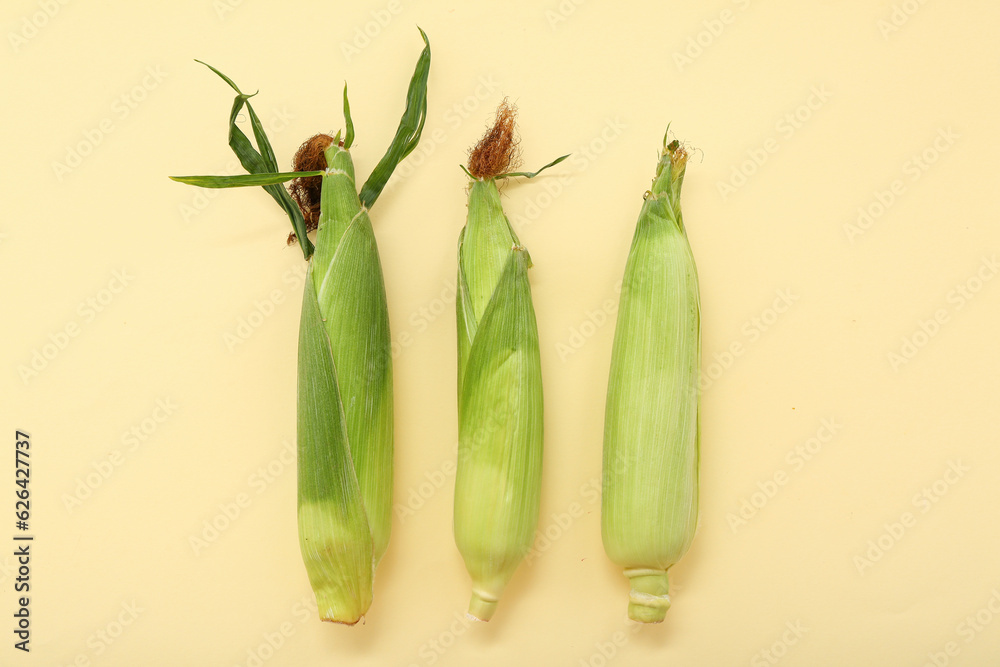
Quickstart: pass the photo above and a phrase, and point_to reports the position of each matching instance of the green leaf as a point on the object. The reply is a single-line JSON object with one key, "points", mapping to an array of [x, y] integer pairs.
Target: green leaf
{"points": [[353, 302], [243, 180], [532, 174], [498, 479], [334, 535], [407, 134], [262, 160], [349, 136]]}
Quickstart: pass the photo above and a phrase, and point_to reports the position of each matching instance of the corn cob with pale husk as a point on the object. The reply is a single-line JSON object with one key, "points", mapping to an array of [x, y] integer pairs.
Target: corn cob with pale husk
{"points": [[650, 477], [345, 412], [498, 479]]}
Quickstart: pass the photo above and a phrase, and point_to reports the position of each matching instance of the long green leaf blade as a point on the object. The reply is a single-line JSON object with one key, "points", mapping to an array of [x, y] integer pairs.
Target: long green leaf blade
{"points": [[349, 129], [243, 180], [263, 161], [408, 133], [532, 174]]}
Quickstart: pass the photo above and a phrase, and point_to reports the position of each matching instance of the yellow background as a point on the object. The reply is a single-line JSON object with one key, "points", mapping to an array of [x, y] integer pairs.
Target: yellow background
{"points": [[842, 547]]}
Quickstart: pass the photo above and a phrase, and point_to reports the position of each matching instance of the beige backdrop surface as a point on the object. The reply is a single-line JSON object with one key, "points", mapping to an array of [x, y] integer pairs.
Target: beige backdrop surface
{"points": [[841, 206]]}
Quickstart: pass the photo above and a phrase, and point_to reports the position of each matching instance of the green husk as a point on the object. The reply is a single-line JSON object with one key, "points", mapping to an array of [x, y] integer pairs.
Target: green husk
{"points": [[650, 474], [345, 411], [498, 479]]}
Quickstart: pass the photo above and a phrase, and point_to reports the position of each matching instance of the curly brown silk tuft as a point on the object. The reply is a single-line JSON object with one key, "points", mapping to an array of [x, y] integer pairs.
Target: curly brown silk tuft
{"points": [[306, 191], [497, 152]]}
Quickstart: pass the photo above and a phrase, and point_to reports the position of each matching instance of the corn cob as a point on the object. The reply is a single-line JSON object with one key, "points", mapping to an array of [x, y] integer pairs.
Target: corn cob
{"points": [[498, 478], [345, 412], [650, 474]]}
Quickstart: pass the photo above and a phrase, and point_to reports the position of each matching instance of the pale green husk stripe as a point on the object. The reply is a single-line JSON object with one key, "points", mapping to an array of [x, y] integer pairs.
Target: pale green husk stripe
{"points": [[345, 411], [650, 474], [498, 480]]}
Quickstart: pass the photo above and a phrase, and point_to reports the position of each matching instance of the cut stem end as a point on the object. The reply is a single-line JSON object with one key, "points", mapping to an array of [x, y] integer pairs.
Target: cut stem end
{"points": [[481, 608], [648, 600]]}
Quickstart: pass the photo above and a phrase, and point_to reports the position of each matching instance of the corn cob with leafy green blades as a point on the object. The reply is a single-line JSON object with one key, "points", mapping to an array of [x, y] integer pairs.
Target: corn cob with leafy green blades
{"points": [[498, 479], [649, 505], [345, 411]]}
